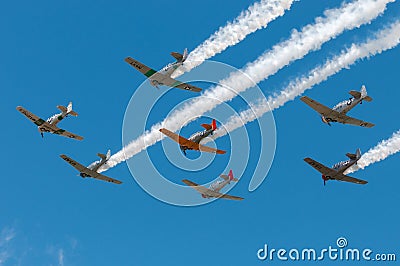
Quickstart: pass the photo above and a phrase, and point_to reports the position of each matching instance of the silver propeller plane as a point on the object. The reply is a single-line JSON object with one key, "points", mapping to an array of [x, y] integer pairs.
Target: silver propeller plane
{"points": [[213, 190], [193, 142], [50, 125], [163, 77], [339, 111], [337, 170], [92, 169]]}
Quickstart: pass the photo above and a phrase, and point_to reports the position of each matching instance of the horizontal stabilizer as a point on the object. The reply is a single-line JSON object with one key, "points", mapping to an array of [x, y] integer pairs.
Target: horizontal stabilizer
{"points": [[73, 113], [212, 126], [355, 94], [62, 108], [177, 56], [102, 156], [367, 98], [206, 126], [353, 156]]}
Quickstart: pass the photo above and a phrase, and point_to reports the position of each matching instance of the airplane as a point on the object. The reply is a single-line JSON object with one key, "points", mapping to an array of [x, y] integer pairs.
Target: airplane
{"points": [[213, 190], [336, 172], [50, 125], [163, 77], [193, 142], [339, 111], [91, 170]]}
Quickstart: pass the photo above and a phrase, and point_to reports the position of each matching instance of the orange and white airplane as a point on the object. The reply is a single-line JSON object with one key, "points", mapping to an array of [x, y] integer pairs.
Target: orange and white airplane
{"points": [[193, 142]]}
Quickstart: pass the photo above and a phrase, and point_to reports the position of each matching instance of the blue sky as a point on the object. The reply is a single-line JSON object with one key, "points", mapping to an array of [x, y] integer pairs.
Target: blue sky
{"points": [[55, 52]]}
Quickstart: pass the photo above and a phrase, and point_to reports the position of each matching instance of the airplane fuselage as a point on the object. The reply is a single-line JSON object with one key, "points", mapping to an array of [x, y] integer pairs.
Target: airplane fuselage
{"points": [[340, 167], [345, 106], [168, 70], [342, 107], [216, 186], [94, 166], [52, 120], [55, 119], [197, 137]]}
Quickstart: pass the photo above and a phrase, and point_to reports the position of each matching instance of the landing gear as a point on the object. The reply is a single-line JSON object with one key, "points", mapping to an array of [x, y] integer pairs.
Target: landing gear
{"points": [[183, 149]]}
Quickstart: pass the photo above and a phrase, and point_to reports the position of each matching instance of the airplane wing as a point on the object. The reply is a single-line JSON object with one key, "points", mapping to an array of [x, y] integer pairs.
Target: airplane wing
{"points": [[67, 134], [350, 179], [353, 121], [105, 178], [34, 118], [50, 128], [209, 192], [183, 85], [209, 149], [175, 137], [190, 144], [74, 163], [320, 108], [160, 78], [83, 169], [320, 167], [145, 70]]}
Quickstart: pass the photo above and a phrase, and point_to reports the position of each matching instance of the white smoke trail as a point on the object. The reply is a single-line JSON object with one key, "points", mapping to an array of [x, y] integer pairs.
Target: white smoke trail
{"points": [[348, 16], [385, 39], [254, 18], [378, 153]]}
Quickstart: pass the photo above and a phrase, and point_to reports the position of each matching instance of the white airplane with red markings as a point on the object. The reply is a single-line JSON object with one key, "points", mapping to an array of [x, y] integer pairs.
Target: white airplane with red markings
{"points": [[92, 169], [193, 142], [339, 112], [337, 170], [163, 77], [50, 125], [213, 190]]}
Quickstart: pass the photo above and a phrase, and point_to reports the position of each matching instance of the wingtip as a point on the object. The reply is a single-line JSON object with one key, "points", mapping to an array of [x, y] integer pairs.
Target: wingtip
{"points": [[186, 182]]}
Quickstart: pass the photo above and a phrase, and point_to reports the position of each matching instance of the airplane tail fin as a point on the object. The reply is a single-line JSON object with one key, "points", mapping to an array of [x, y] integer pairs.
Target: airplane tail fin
{"points": [[180, 57], [105, 156], [364, 94], [229, 177], [212, 126], [353, 156], [67, 109]]}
